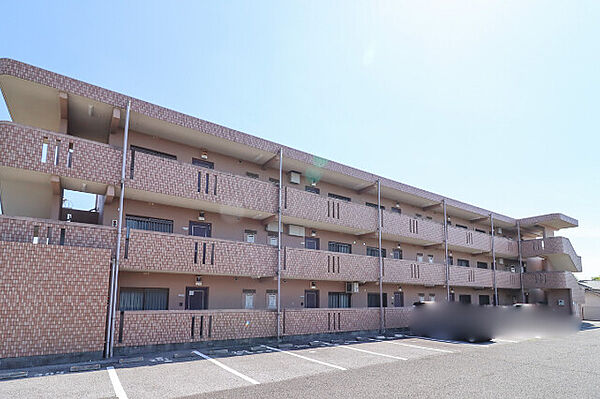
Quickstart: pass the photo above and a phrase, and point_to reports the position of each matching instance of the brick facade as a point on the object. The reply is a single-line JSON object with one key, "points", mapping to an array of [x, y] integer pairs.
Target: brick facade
{"points": [[417, 273], [54, 299], [162, 252]]}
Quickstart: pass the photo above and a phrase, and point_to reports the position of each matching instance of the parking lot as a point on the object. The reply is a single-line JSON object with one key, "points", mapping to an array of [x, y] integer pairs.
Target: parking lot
{"points": [[321, 368]]}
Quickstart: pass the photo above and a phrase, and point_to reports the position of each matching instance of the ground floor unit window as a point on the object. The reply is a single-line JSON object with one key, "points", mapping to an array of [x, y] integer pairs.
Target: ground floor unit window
{"points": [[339, 300], [144, 299], [373, 300]]}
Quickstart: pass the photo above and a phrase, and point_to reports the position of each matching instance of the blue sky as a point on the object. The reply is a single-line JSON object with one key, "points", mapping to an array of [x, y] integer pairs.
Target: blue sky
{"points": [[494, 103]]}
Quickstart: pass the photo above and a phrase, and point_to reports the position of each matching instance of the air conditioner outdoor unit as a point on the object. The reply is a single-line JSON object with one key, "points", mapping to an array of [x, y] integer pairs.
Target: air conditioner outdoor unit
{"points": [[499, 230], [352, 286], [294, 177], [501, 261], [297, 231]]}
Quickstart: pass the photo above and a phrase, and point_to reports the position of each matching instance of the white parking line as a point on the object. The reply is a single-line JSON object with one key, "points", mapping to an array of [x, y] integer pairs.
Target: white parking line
{"points": [[114, 379], [305, 358], [227, 368], [449, 341], [414, 346], [369, 352]]}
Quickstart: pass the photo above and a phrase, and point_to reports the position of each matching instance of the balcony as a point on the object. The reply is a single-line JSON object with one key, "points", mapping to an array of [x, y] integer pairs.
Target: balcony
{"points": [[411, 272], [558, 250], [54, 232], [311, 264], [550, 280], [468, 240], [164, 252], [60, 154], [508, 280], [471, 277], [505, 247], [412, 230], [312, 210], [193, 186]]}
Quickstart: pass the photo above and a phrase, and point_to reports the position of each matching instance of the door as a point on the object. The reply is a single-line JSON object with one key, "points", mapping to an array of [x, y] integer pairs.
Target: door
{"points": [[464, 299], [196, 298], [200, 229], [249, 299], [398, 299], [311, 299], [484, 299]]}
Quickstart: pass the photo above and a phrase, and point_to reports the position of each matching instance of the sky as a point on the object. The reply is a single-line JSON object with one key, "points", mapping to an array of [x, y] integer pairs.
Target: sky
{"points": [[494, 103]]}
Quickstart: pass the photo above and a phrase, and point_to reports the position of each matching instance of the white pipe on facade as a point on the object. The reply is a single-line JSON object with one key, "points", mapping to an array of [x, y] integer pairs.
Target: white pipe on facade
{"points": [[494, 261], [520, 261], [379, 215], [109, 326], [115, 284], [446, 251], [279, 245]]}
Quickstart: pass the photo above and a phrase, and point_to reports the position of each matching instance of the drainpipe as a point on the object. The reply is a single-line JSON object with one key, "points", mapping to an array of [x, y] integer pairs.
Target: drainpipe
{"points": [[115, 283], [109, 326], [520, 261], [381, 321], [279, 246], [494, 261], [446, 251]]}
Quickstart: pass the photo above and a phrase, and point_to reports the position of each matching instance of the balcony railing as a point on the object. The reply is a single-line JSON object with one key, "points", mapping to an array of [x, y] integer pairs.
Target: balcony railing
{"points": [[470, 277], [177, 179], [165, 252], [411, 272], [469, 240], [324, 265], [508, 280], [505, 247], [58, 154], [549, 280], [558, 250], [417, 230]]}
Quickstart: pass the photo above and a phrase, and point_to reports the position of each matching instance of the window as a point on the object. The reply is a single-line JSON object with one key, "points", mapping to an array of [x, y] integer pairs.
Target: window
{"points": [[45, 150], [250, 236], [147, 223], [252, 175], [340, 247], [311, 243], [482, 265], [430, 258], [464, 298], [339, 300], [460, 226], [397, 210], [339, 197], [152, 152], [274, 181], [272, 239], [397, 253], [419, 257], [311, 189], [481, 231], [373, 300], [421, 297], [248, 297], [372, 251], [272, 299], [463, 262], [143, 299], [203, 163], [484, 299], [432, 297], [372, 205]]}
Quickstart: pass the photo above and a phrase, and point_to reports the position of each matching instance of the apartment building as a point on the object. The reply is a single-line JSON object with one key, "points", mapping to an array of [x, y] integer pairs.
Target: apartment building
{"points": [[224, 235]]}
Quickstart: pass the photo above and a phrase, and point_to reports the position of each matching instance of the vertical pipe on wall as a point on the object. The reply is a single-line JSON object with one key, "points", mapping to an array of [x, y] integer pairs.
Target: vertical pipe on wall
{"points": [[494, 261], [520, 261], [381, 316], [115, 283], [446, 251], [279, 245]]}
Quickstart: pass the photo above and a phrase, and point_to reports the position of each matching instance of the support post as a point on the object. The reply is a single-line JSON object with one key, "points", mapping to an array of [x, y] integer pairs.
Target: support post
{"points": [[379, 215], [279, 245], [494, 261], [446, 251], [520, 261], [115, 277]]}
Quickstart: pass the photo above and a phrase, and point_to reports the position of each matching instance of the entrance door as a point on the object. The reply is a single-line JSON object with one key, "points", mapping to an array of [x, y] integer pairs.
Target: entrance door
{"points": [[398, 299], [200, 229], [311, 299], [196, 298]]}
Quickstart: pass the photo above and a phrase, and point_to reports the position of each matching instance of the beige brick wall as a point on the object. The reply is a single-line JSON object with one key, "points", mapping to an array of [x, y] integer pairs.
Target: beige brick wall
{"points": [[54, 299], [90, 160], [153, 251]]}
